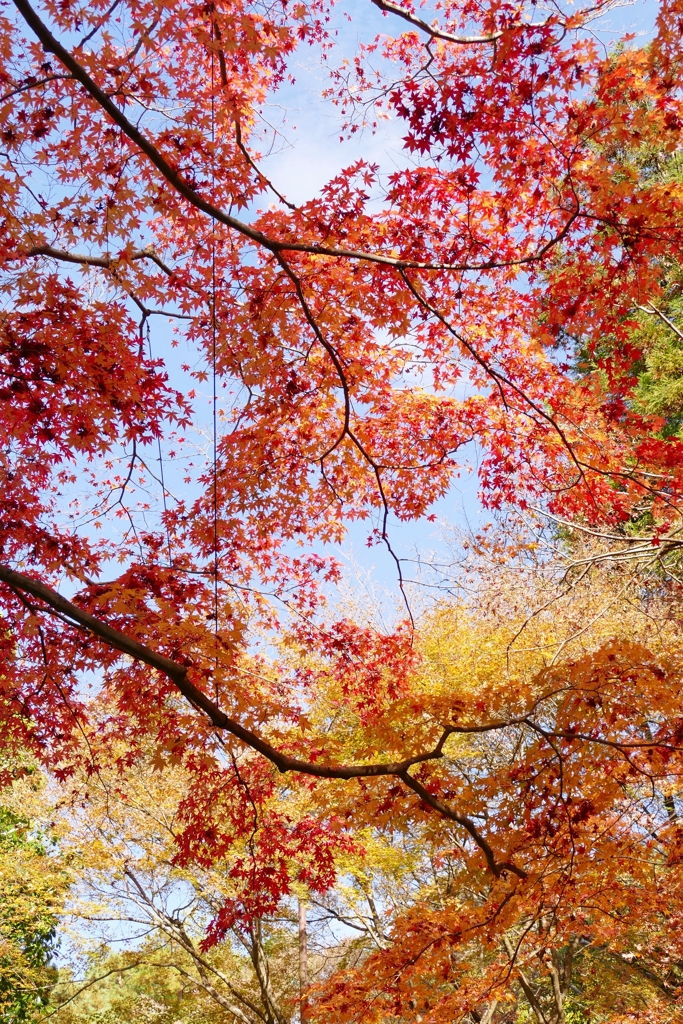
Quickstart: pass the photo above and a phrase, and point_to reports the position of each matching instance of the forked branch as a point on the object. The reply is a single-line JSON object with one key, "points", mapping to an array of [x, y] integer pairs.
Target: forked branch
{"points": [[178, 674], [183, 188], [435, 33]]}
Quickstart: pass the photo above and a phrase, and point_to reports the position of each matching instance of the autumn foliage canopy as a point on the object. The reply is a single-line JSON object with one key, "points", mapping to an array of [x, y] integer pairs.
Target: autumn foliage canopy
{"points": [[355, 348]]}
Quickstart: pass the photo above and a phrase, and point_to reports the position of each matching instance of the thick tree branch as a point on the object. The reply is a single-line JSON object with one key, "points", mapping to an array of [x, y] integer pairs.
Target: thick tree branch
{"points": [[497, 868], [449, 37], [178, 674], [558, 994], [64, 256], [172, 176], [435, 33]]}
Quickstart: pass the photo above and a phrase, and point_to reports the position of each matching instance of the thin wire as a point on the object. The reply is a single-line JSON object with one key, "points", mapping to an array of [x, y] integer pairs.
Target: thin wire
{"points": [[160, 459], [213, 363], [144, 325]]}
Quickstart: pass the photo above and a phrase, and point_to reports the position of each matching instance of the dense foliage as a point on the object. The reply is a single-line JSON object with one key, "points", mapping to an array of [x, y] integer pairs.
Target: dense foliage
{"points": [[32, 887], [165, 591]]}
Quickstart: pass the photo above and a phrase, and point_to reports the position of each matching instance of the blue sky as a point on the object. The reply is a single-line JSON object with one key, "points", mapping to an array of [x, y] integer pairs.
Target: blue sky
{"points": [[306, 154]]}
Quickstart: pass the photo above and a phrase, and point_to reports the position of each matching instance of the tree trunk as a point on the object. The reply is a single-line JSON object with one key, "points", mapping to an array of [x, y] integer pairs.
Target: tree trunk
{"points": [[303, 962]]}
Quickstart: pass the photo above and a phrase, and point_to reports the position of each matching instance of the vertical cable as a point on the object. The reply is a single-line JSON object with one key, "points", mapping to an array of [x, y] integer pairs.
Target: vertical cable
{"points": [[213, 365], [160, 459]]}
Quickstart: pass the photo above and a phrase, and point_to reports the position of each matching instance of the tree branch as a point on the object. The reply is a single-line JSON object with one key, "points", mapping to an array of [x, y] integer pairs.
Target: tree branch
{"points": [[178, 674], [93, 261], [177, 182], [435, 33], [496, 868]]}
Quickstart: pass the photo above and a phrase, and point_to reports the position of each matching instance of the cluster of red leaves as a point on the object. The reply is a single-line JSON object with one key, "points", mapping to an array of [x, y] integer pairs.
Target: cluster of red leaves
{"points": [[343, 330]]}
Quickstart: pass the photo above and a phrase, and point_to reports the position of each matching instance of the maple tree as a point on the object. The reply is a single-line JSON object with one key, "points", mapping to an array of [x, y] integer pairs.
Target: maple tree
{"points": [[578, 939], [339, 330], [411, 890]]}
